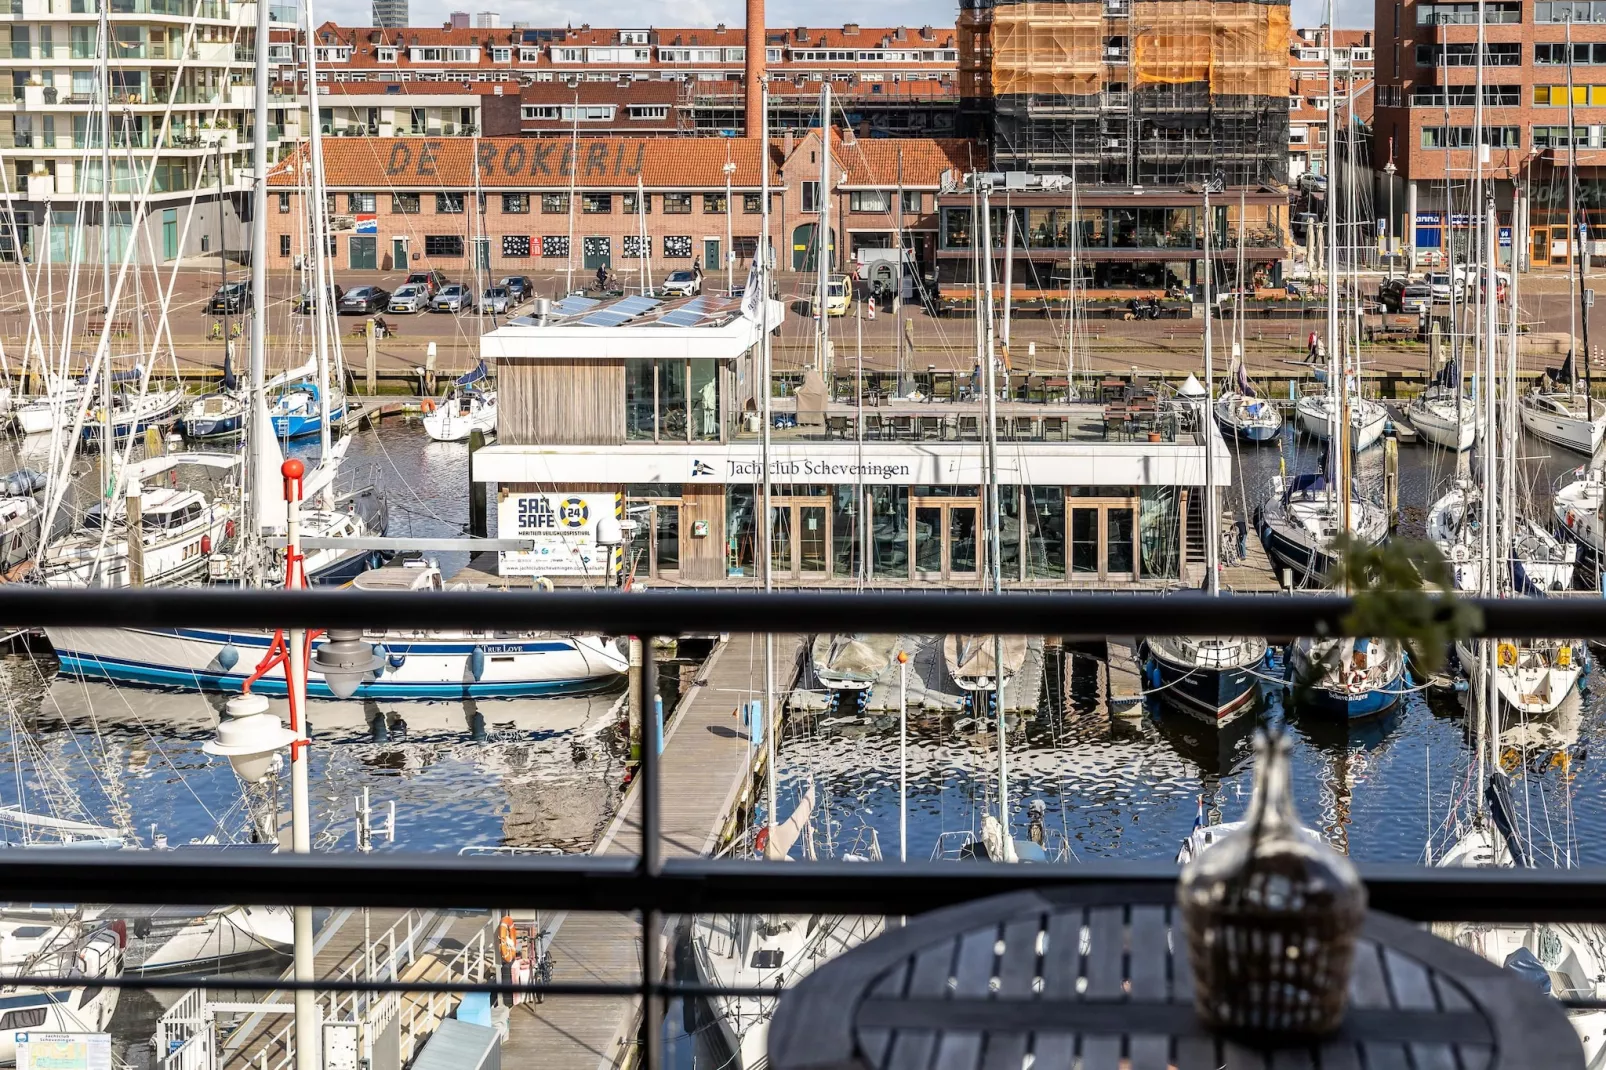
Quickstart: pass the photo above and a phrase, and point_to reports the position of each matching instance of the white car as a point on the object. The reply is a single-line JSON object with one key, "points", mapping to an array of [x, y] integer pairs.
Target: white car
{"points": [[412, 298], [1467, 278], [1439, 283], [682, 284]]}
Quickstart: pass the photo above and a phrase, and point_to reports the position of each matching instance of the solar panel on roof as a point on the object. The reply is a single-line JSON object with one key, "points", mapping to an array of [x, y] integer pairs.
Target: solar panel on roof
{"points": [[573, 306], [607, 317], [681, 317], [635, 306]]}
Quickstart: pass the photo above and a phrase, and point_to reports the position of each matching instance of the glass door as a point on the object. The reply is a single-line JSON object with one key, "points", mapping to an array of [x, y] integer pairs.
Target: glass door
{"points": [[666, 540], [1085, 541], [925, 531], [813, 541], [781, 540], [1539, 246], [1120, 541], [963, 530]]}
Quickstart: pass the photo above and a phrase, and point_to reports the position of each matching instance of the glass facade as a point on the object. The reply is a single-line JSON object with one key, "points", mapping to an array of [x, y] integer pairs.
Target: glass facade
{"points": [[672, 400], [1047, 535]]}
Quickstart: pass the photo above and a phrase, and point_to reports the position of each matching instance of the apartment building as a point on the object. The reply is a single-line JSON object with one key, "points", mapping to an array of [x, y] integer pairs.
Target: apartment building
{"points": [[627, 203], [434, 109], [391, 14], [1425, 121], [182, 125], [891, 80], [1308, 92]]}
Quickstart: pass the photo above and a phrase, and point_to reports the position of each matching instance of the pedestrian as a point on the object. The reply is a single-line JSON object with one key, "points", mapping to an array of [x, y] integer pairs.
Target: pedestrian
{"points": [[1313, 349]]}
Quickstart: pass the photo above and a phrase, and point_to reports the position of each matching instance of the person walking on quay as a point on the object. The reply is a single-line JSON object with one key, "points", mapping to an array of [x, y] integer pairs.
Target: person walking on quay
{"points": [[1313, 353], [507, 945]]}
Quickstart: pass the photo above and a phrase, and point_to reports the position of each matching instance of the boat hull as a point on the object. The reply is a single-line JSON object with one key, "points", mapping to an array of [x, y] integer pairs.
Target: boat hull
{"points": [[1580, 436], [1217, 694], [199, 427], [302, 425], [1442, 431], [435, 667], [1308, 563], [1345, 703]]}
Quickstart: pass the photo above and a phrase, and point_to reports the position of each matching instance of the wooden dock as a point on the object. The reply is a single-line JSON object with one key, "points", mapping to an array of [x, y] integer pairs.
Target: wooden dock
{"points": [[708, 761]]}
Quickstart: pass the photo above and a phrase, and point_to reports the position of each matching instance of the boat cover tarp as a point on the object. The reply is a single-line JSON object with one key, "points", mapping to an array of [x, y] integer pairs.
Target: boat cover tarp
{"points": [[133, 375], [474, 375], [1523, 963], [1505, 818]]}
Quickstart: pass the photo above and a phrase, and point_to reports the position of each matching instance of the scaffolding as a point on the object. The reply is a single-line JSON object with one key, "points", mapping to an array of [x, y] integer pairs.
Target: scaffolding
{"points": [[1152, 92]]}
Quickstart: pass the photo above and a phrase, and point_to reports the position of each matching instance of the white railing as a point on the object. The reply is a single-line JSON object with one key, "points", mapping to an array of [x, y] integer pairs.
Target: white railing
{"points": [[185, 1035]]}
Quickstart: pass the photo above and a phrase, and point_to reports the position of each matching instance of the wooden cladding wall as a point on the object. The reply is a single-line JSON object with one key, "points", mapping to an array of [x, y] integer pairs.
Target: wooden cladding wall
{"points": [[702, 559], [561, 402]]}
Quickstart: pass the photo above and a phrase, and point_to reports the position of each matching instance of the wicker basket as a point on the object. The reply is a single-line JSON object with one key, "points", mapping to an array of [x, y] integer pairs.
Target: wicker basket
{"points": [[1272, 914]]}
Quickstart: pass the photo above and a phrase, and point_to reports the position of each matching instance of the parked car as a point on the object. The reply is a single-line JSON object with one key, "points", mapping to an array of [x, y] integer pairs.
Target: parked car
{"points": [[433, 280], [1470, 278], [410, 298], [496, 300], [519, 288], [682, 284], [839, 296], [1438, 282], [453, 298], [306, 305], [230, 297], [363, 300], [1407, 297], [1312, 183]]}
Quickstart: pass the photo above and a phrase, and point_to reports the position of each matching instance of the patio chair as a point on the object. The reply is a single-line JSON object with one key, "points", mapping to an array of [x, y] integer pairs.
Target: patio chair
{"points": [[931, 427], [1054, 425], [903, 427], [1024, 427], [873, 426], [836, 425], [969, 427]]}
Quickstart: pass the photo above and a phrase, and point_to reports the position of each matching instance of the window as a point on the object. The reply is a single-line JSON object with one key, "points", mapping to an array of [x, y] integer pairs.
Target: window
{"points": [[911, 201], [1555, 96], [515, 245], [1570, 11], [284, 204], [1459, 14], [1460, 137], [359, 202], [446, 245], [714, 204], [631, 207], [1465, 96], [28, 1017], [677, 246], [501, 55], [555, 245], [404, 203], [596, 203], [649, 111], [448, 204], [636, 247], [284, 245], [1465, 55], [811, 196], [752, 203], [1584, 54], [515, 203], [870, 200], [555, 204], [677, 204]]}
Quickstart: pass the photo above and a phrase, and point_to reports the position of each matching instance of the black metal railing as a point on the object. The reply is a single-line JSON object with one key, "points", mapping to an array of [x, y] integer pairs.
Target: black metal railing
{"points": [[651, 885]]}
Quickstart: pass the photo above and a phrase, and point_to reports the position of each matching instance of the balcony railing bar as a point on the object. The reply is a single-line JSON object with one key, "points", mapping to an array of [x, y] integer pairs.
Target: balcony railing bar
{"points": [[1073, 616], [693, 886]]}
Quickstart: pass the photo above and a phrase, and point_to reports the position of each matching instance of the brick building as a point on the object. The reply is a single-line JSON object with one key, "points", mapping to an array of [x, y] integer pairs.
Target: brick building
{"points": [[1308, 91], [892, 79], [1424, 115], [405, 202]]}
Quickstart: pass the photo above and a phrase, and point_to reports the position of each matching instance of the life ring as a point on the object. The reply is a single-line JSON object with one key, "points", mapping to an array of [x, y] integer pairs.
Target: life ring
{"points": [[1506, 654], [507, 939], [428, 405]]}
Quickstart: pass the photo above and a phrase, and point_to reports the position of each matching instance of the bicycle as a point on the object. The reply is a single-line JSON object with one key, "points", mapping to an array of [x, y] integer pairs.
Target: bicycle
{"points": [[541, 967]]}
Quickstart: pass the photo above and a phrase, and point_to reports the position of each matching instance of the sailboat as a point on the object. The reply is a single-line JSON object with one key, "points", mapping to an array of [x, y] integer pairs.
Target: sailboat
{"points": [[218, 414], [973, 666], [1213, 675], [1442, 413], [1532, 677], [468, 408], [1242, 413], [299, 411], [1345, 677], [1367, 419], [851, 661]]}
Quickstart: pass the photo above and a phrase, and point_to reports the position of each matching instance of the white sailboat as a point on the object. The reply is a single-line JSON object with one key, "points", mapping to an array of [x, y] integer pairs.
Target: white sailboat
{"points": [[468, 408]]}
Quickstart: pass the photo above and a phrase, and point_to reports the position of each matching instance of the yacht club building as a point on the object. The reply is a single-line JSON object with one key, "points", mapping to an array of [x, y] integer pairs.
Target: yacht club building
{"points": [[648, 410]]}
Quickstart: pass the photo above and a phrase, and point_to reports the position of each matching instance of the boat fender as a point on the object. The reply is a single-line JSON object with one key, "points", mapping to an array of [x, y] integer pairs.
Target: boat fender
{"points": [[228, 657], [228, 529], [206, 544], [380, 653], [476, 662], [1569, 518], [396, 661]]}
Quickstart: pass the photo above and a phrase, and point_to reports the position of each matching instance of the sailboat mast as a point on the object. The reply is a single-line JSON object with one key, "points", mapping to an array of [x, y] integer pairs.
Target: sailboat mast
{"points": [[322, 282], [258, 358], [106, 242], [1337, 384], [1576, 232], [772, 723], [822, 233], [994, 543], [1212, 515], [1574, 276], [1492, 555]]}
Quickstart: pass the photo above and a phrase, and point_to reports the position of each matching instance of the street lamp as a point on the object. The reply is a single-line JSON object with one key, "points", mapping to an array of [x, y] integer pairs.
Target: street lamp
{"points": [[250, 738], [1388, 224], [730, 247], [345, 660]]}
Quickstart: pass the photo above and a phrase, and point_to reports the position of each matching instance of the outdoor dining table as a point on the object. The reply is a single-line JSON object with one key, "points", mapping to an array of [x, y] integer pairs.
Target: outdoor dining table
{"points": [[1095, 974]]}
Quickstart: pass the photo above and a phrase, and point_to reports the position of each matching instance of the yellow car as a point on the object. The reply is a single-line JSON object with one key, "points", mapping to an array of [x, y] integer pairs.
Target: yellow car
{"points": [[839, 296]]}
